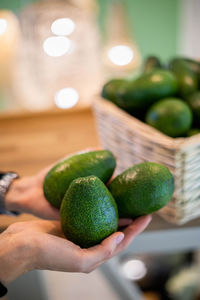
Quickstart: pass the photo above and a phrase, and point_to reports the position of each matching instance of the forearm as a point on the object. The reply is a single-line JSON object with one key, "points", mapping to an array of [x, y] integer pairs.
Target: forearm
{"points": [[15, 256]]}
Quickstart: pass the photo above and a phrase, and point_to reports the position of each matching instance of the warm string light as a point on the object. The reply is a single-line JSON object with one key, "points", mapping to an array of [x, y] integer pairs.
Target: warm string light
{"points": [[59, 45], [9, 42], [56, 46], [121, 55], [3, 26], [63, 26], [66, 98]]}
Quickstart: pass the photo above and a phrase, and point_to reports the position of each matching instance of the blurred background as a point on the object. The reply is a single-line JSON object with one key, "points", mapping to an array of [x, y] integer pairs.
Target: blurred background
{"points": [[58, 53], [54, 57]]}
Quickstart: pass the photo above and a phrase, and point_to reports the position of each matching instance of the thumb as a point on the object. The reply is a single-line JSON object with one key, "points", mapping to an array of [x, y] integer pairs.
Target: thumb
{"points": [[111, 242], [100, 253]]}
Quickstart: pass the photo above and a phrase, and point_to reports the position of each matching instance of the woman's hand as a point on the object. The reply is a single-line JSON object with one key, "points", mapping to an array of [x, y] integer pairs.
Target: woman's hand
{"points": [[26, 194], [25, 246]]}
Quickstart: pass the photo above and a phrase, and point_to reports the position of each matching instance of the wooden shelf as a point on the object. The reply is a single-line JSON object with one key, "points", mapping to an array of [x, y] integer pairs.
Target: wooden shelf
{"points": [[31, 141]]}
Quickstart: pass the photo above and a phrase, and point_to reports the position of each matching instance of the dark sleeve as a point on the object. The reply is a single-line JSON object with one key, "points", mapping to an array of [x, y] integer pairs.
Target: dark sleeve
{"points": [[6, 179]]}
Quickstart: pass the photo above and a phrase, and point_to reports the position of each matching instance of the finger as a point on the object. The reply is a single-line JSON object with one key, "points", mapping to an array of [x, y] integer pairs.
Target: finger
{"points": [[49, 213], [133, 230], [50, 227], [58, 254], [100, 253], [130, 233], [125, 222], [43, 209]]}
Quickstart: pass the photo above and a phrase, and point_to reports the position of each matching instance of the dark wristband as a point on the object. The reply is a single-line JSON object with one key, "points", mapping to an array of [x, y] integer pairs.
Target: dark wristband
{"points": [[3, 290], [5, 182]]}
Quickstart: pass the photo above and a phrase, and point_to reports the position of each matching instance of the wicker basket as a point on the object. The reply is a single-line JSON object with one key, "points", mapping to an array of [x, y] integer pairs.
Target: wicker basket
{"points": [[133, 141]]}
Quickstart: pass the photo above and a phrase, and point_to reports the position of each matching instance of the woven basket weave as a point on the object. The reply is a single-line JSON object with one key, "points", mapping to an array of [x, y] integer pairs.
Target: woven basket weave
{"points": [[133, 141]]}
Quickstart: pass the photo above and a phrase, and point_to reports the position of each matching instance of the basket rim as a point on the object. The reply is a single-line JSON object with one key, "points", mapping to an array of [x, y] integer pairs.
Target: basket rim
{"points": [[174, 143]]}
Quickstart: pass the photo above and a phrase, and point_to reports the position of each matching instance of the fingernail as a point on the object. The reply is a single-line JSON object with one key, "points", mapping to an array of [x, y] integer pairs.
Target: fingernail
{"points": [[119, 238]]}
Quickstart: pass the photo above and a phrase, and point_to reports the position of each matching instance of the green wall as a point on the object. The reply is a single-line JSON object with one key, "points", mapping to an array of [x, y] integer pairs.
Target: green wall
{"points": [[14, 5], [154, 25]]}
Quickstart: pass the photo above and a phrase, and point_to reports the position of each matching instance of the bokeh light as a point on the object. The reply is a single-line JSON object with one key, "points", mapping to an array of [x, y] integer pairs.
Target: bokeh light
{"points": [[57, 46], [66, 98], [63, 26], [121, 55], [3, 26]]}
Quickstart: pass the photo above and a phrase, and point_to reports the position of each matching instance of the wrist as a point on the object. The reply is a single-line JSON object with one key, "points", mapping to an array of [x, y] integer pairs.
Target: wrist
{"points": [[16, 255], [16, 195], [6, 179]]}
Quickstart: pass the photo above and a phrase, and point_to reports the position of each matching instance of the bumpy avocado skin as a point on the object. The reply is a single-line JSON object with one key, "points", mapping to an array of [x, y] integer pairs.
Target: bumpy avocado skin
{"points": [[142, 189], [99, 163], [88, 212]]}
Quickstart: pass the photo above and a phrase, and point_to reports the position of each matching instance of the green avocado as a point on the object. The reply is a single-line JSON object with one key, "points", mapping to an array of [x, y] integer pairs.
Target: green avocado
{"points": [[110, 89], [99, 163], [88, 212], [151, 63], [139, 94], [187, 78], [142, 189], [193, 65], [172, 116], [193, 101]]}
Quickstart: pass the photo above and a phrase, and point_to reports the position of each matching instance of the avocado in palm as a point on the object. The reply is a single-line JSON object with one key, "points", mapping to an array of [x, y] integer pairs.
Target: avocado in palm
{"points": [[151, 63], [142, 189], [110, 89], [171, 116], [137, 95], [193, 101], [99, 163], [88, 212], [187, 78]]}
